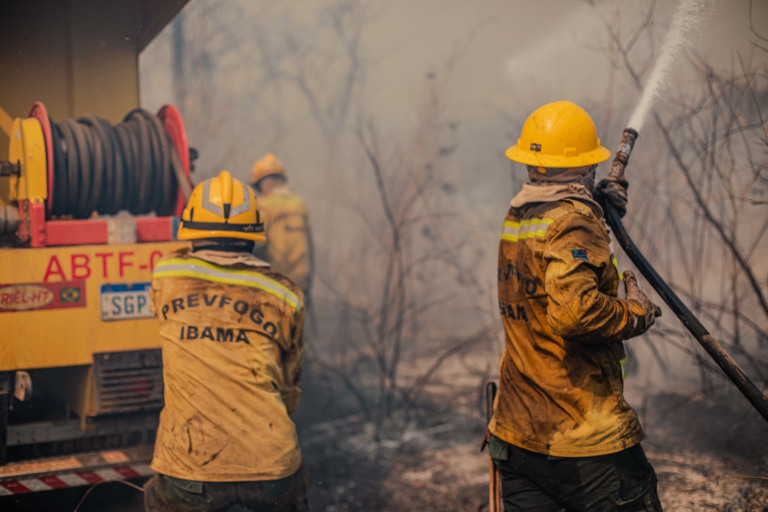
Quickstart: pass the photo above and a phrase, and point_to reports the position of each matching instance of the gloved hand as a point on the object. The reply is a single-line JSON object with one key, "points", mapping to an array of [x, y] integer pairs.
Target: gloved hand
{"points": [[634, 293], [613, 190]]}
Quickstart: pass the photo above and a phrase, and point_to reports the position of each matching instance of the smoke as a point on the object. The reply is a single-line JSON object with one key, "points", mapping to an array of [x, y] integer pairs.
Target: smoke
{"points": [[689, 15], [560, 52]]}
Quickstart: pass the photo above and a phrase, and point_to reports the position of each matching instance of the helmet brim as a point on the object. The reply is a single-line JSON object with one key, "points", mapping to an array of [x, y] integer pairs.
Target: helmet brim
{"points": [[595, 156], [197, 234]]}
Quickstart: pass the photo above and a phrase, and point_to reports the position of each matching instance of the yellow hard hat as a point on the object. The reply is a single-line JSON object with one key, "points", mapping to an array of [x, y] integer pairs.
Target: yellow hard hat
{"points": [[559, 134], [265, 166], [222, 207]]}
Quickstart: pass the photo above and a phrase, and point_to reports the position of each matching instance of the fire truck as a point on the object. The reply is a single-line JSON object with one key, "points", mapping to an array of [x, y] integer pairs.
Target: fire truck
{"points": [[91, 187]]}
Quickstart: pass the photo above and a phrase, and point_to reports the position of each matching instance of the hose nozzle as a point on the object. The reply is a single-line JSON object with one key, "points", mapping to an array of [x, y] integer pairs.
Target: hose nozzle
{"points": [[622, 154]]}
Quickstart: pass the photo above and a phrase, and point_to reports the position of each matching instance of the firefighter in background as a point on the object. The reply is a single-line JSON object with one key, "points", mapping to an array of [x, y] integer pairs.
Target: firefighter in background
{"points": [[562, 435], [289, 245], [232, 342]]}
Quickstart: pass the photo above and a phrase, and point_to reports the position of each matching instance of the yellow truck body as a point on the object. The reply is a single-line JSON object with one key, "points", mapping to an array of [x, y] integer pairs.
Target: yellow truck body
{"points": [[59, 305]]}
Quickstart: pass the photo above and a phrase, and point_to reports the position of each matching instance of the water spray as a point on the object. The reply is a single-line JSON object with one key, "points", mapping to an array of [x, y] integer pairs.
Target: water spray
{"points": [[689, 320], [690, 14]]}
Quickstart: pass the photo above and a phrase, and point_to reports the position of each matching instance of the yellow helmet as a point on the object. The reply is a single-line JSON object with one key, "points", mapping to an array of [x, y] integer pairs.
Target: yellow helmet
{"points": [[222, 207], [265, 166], [559, 134]]}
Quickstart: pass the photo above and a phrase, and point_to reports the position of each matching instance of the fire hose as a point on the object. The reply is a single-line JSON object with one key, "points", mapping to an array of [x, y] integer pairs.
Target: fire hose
{"points": [[689, 320], [98, 167]]}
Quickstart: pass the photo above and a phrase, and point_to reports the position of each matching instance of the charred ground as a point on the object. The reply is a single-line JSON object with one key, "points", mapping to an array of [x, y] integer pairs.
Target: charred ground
{"points": [[710, 451]]}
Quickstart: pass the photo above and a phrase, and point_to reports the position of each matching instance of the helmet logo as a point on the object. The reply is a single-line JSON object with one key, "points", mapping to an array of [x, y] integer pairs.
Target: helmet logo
{"points": [[535, 147]]}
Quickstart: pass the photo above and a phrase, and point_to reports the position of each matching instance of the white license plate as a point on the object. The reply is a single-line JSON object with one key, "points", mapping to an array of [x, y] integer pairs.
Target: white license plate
{"points": [[125, 301]]}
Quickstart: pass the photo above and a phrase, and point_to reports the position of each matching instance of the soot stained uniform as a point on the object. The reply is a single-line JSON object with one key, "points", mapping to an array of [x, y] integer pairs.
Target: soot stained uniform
{"points": [[561, 376], [232, 355]]}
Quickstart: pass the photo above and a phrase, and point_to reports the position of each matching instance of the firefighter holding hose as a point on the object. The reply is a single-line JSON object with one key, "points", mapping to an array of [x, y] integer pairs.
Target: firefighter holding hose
{"points": [[232, 331], [562, 435]]}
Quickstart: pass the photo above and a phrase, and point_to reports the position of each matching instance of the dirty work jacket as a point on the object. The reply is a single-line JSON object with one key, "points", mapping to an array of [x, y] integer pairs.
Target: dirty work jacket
{"points": [[232, 346], [288, 247], [561, 375]]}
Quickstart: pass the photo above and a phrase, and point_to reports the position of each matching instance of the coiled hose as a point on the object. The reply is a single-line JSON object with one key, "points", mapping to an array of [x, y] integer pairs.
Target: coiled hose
{"points": [[105, 169]]}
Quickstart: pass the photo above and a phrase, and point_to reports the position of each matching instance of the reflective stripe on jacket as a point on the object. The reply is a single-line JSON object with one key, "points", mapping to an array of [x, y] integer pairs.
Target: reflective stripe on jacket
{"points": [[288, 240], [232, 356], [561, 376]]}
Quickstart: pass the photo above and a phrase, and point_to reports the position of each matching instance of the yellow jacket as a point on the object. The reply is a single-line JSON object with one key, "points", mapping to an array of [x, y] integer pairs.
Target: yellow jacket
{"points": [[561, 377], [288, 247], [232, 332]]}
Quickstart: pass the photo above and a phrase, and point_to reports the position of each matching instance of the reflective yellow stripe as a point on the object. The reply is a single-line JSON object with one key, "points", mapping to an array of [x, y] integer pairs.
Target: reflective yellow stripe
{"points": [[616, 264], [529, 228], [614, 260], [199, 269], [624, 371]]}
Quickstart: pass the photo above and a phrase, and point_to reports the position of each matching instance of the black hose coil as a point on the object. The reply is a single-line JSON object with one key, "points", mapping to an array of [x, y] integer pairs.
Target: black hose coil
{"points": [[105, 169]]}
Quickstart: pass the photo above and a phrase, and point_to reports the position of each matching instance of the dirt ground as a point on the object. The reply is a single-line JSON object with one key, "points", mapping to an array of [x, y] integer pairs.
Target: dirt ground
{"points": [[710, 452]]}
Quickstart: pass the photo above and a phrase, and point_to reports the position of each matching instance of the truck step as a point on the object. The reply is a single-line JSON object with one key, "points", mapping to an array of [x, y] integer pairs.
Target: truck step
{"points": [[75, 470]]}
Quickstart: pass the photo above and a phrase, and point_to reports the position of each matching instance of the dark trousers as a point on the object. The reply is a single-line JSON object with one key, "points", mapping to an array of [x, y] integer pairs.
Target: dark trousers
{"points": [[167, 494], [533, 482]]}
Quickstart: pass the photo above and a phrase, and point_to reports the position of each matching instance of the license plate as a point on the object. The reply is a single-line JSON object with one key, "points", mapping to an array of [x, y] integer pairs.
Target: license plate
{"points": [[125, 301]]}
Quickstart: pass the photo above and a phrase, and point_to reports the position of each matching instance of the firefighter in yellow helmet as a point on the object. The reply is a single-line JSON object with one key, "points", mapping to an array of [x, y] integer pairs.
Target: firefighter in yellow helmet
{"points": [[289, 244], [562, 435], [232, 342]]}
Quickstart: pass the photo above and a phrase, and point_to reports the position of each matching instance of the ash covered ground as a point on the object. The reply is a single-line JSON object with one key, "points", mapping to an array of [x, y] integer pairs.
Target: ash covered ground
{"points": [[710, 451]]}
